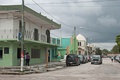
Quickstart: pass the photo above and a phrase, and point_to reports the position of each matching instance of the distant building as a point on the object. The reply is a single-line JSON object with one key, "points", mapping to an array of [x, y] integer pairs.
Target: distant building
{"points": [[91, 49], [68, 46], [82, 45]]}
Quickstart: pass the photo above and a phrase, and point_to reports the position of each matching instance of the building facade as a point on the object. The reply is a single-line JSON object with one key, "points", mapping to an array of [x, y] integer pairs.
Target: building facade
{"points": [[82, 44], [68, 46], [37, 40]]}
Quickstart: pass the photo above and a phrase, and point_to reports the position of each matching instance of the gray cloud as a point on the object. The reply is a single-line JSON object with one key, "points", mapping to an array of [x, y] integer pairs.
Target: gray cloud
{"points": [[99, 20]]}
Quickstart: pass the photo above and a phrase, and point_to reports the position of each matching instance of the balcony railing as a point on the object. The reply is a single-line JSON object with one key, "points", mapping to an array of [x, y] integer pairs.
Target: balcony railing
{"points": [[28, 35], [10, 34]]}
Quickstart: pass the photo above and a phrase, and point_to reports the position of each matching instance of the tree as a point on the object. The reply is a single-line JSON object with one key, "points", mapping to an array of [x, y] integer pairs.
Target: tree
{"points": [[98, 51], [105, 51], [115, 49], [118, 41]]}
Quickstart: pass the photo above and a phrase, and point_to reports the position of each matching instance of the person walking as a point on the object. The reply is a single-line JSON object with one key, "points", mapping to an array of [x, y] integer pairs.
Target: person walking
{"points": [[112, 58], [27, 59]]}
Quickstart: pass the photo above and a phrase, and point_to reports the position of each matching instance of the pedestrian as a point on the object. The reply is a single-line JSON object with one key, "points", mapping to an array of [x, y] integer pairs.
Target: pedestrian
{"points": [[112, 58], [27, 59], [59, 56]]}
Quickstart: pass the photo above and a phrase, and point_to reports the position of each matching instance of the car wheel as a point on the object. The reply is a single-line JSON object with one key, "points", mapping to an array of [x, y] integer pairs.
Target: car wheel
{"points": [[67, 64], [77, 64]]}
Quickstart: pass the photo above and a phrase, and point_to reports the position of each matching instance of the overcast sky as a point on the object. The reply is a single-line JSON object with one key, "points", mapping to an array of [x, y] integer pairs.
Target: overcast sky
{"points": [[97, 20]]}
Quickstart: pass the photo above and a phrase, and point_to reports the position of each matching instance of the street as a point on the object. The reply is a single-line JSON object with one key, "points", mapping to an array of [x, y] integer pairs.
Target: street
{"points": [[107, 71]]}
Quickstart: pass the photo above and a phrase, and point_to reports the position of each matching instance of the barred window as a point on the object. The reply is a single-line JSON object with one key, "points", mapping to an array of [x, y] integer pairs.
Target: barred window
{"points": [[35, 53], [6, 50], [58, 41]]}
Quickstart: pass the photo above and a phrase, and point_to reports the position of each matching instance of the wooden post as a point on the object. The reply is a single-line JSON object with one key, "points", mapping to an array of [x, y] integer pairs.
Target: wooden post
{"points": [[46, 58]]}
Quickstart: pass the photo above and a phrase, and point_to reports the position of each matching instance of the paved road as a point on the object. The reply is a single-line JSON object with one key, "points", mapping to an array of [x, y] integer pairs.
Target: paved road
{"points": [[107, 71]]}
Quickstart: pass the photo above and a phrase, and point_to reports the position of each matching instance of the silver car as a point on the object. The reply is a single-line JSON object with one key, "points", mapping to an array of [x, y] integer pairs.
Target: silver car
{"points": [[96, 59]]}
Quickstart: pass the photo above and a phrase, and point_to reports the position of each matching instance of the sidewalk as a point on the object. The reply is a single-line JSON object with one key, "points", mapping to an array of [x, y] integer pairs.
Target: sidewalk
{"points": [[15, 70]]}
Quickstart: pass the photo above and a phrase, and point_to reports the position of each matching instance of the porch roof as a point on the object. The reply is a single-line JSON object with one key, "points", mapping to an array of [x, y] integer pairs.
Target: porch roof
{"points": [[29, 14], [35, 43]]}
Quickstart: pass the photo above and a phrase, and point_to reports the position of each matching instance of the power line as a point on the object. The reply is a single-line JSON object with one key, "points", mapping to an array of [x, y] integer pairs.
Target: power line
{"points": [[79, 2], [107, 6], [51, 15]]}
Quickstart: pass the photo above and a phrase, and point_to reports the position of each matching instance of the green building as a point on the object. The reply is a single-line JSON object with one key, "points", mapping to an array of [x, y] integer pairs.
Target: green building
{"points": [[68, 45], [37, 40]]}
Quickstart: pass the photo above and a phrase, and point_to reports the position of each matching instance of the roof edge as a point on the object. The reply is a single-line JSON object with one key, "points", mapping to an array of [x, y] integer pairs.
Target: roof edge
{"points": [[29, 10]]}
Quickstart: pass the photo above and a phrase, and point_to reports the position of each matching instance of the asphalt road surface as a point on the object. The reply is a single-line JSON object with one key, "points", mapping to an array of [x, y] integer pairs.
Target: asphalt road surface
{"points": [[107, 71]]}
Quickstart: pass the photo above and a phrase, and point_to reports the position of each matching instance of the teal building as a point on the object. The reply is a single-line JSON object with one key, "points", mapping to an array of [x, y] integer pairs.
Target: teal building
{"points": [[68, 46]]}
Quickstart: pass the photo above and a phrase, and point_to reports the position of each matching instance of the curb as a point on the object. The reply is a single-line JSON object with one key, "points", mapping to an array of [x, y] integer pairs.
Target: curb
{"points": [[29, 70]]}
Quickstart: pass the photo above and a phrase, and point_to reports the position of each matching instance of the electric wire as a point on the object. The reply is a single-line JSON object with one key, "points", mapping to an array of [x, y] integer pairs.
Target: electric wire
{"points": [[79, 2], [51, 15]]}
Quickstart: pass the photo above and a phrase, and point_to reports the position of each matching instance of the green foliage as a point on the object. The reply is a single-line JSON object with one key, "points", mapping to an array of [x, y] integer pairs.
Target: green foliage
{"points": [[118, 41], [98, 51], [105, 51], [115, 49]]}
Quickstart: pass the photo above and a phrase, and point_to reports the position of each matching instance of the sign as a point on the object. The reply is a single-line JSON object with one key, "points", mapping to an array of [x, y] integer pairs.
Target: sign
{"points": [[19, 36]]}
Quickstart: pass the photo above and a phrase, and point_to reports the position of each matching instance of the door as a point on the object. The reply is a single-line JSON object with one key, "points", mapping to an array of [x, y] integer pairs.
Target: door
{"points": [[1, 52]]}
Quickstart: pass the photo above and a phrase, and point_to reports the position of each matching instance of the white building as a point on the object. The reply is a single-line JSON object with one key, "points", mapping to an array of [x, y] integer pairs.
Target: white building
{"points": [[82, 46]]}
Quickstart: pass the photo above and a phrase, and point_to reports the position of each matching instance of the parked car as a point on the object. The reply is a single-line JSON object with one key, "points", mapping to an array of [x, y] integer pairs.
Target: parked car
{"points": [[96, 59], [86, 58], [117, 58], [72, 59], [82, 59]]}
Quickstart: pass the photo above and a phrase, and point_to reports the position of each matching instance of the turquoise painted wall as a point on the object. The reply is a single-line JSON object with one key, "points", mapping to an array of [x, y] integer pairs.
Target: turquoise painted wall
{"points": [[65, 42], [71, 42]]}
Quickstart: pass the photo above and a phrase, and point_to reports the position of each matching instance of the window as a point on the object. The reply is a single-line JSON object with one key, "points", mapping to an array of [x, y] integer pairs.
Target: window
{"points": [[79, 43], [6, 50], [18, 52], [48, 36], [36, 36], [35, 53], [58, 41], [1, 52], [79, 52], [54, 40], [20, 26]]}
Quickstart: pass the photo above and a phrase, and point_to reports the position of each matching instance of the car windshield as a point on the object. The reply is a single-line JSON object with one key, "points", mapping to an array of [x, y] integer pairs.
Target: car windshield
{"points": [[71, 55], [96, 56], [79, 55]]}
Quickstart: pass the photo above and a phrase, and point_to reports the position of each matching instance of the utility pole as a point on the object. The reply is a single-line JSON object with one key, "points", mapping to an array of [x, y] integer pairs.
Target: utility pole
{"points": [[22, 37], [74, 39]]}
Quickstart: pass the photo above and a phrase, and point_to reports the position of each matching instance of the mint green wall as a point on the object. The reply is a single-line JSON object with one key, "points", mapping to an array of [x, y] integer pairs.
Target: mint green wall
{"points": [[7, 58], [74, 44], [11, 58], [63, 52]]}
